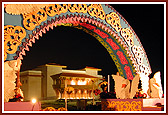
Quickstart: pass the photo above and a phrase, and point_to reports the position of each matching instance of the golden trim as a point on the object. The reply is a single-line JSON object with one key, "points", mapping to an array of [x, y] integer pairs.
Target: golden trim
{"points": [[114, 20], [79, 8], [17, 9], [125, 105], [97, 11], [54, 9], [127, 34], [13, 36], [31, 20]]}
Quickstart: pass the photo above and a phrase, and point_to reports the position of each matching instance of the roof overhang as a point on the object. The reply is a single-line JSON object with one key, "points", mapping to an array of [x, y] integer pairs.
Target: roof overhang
{"points": [[77, 75]]}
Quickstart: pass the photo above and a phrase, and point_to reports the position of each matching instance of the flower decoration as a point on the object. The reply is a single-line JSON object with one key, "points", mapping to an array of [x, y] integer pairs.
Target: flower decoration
{"points": [[97, 92], [62, 109], [16, 98], [140, 94], [53, 109], [49, 109], [103, 85], [105, 94]]}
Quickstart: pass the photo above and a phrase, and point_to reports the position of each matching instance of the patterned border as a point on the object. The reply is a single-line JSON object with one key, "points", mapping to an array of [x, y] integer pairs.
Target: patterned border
{"points": [[74, 21], [134, 34]]}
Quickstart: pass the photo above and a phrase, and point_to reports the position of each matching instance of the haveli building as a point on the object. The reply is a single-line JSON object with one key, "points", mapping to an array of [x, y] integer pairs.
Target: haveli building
{"points": [[49, 81]]}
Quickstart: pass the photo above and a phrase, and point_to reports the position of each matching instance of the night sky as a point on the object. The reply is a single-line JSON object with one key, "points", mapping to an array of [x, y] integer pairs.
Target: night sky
{"points": [[77, 49]]}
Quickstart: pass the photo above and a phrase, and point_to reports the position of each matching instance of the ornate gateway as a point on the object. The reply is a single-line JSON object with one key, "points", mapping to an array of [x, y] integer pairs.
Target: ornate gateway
{"points": [[24, 23]]}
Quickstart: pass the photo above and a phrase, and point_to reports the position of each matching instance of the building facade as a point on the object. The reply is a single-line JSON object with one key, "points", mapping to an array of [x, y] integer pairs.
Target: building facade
{"points": [[49, 81]]}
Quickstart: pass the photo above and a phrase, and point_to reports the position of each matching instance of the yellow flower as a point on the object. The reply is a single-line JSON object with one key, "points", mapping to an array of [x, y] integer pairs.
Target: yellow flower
{"points": [[62, 109], [103, 83], [49, 109]]}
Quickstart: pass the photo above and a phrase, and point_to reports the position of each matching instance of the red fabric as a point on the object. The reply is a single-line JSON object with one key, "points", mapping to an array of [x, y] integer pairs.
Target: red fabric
{"points": [[122, 58], [128, 73], [112, 44]]}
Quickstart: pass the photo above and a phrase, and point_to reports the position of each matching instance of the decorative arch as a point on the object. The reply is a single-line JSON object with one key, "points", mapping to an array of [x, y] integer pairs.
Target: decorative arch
{"points": [[24, 23]]}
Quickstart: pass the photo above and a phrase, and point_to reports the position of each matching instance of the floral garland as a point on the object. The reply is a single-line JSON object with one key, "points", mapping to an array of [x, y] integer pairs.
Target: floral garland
{"points": [[53, 109], [140, 94], [97, 92], [104, 94], [18, 97], [103, 85], [62, 109], [49, 109]]}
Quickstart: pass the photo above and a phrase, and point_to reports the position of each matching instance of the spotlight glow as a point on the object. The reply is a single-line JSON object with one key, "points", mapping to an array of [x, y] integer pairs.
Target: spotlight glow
{"points": [[33, 100]]}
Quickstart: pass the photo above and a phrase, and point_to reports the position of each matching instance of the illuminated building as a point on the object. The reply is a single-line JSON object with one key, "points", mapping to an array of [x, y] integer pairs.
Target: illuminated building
{"points": [[49, 81]]}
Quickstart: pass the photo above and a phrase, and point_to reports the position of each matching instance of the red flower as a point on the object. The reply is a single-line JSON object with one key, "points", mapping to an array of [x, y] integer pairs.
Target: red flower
{"points": [[96, 92], [144, 95], [140, 95], [17, 96]]}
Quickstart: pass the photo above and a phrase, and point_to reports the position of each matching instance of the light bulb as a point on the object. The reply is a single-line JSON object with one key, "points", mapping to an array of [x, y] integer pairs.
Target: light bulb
{"points": [[33, 100]]}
